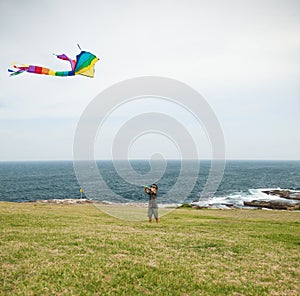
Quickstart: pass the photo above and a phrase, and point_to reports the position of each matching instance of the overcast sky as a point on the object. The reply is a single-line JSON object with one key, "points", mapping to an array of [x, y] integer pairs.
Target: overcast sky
{"points": [[242, 56]]}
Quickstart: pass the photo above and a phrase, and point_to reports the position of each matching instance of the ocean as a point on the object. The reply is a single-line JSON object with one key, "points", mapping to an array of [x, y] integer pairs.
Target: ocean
{"points": [[242, 180]]}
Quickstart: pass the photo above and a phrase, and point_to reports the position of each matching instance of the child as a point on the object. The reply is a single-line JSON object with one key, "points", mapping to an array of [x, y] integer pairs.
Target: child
{"points": [[152, 206]]}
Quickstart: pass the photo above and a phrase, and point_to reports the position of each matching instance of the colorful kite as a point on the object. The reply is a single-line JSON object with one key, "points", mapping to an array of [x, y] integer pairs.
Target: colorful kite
{"points": [[83, 65]]}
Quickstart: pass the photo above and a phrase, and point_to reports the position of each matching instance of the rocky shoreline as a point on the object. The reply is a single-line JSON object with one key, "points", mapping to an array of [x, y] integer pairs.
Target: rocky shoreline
{"points": [[275, 199], [66, 201], [287, 200], [272, 204], [290, 200], [78, 201], [294, 195]]}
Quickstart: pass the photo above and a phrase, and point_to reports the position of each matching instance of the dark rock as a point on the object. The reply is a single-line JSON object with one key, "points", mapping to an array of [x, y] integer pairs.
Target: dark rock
{"points": [[283, 194], [272, 204]]}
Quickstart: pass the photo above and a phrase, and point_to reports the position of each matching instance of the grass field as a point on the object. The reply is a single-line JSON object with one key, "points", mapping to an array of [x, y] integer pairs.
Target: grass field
{"points": [[79, 250]]}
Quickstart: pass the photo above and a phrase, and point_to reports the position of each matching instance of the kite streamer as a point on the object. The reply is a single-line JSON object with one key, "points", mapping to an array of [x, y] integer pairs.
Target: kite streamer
{"points": [[83, 65]]}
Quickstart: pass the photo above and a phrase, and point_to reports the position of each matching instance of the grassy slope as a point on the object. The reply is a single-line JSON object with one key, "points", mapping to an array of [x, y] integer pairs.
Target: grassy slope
{"points": [[78, 250]]}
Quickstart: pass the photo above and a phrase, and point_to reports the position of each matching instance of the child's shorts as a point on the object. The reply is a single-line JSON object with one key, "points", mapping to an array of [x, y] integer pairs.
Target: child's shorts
{"points": [[152, 211]]}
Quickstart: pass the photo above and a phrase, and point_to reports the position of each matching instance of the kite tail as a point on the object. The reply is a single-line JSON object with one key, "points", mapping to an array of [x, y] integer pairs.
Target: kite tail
{"points": [[13, 73], [39, 70], [20, 69]]}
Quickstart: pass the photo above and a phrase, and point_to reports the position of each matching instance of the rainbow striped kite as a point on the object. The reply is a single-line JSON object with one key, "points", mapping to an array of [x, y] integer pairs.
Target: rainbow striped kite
{"points": [[83, 65]]}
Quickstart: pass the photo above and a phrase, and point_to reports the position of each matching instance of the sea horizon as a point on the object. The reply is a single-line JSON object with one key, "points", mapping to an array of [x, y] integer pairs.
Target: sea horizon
{"points": [[56, 179]]}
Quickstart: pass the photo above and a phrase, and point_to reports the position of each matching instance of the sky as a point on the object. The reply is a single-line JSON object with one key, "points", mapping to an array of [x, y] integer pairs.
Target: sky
{"points": [[242, 56]]}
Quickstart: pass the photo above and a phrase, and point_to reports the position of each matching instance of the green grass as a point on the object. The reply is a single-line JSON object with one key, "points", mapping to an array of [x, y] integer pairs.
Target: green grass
{"points": [[79, 250]]}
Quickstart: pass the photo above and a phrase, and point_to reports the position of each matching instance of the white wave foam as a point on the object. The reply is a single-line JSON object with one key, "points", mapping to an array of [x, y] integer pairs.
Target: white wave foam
{"points": [[237, 200]]}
